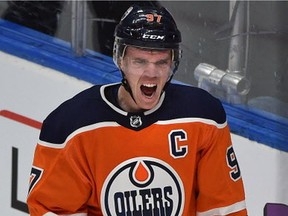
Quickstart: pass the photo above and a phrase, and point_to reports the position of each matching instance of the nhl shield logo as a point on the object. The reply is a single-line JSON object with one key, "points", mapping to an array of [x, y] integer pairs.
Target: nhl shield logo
{"points": [[135, 121], [143, 186]]}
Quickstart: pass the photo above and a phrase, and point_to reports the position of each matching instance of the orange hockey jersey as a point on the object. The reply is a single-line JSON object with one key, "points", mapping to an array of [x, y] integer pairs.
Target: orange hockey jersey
{"points": [[175, 160]]}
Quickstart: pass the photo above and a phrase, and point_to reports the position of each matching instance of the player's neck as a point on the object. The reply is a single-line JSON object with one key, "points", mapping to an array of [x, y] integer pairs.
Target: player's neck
{"points": [[126, 102]]}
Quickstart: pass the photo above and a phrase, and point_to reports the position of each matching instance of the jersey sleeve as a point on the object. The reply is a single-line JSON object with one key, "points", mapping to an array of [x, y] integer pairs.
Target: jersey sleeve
{"points": [[59, 183], [220, 186]]}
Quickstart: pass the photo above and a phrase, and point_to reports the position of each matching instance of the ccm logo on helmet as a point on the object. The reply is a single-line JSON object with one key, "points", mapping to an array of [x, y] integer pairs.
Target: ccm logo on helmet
{"points": [[153, 37]]}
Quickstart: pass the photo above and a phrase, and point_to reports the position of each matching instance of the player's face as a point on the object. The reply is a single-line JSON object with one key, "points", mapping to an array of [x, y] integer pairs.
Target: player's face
{"points": [[146, 71]]}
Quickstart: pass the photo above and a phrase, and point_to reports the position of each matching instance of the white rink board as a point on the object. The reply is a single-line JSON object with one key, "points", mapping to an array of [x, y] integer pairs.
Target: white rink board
{"points": [[33, 91], [265, 173]]}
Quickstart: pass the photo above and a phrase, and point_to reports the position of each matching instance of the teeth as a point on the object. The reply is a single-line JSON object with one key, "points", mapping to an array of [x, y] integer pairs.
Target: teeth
{"points": [[149, 85]]}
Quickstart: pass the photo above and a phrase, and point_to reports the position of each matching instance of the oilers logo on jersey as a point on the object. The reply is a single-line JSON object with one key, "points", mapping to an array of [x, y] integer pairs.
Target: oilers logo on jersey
{"points": [[143, 186]]}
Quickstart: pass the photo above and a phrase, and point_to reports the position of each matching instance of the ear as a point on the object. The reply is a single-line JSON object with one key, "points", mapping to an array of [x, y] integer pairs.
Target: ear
{"points": [[120, 62]]}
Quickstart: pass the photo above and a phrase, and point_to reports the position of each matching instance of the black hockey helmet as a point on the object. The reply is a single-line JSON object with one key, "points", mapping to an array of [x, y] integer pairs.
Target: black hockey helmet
{"points": [[147, 27]]}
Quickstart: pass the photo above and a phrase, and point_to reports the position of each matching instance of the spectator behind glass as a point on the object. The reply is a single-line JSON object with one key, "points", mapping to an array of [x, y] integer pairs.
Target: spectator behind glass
{"points": [[38, 15]]}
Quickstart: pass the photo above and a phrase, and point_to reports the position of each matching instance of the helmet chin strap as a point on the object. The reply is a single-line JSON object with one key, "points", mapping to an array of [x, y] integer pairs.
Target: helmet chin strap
{"points": [[170, 78], [124, 81], [126, 86]]}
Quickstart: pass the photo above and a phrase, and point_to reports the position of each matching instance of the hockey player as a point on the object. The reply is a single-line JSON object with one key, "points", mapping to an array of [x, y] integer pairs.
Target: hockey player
{"points": [[141, 147]]}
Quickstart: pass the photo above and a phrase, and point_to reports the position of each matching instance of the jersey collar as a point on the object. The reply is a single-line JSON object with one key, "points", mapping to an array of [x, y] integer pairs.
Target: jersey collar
{"points": [[122, 112]]}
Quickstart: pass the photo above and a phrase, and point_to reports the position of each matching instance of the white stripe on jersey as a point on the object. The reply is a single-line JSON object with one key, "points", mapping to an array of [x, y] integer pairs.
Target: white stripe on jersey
{"points": [[191, 120], [115, 124], [224, 210]]}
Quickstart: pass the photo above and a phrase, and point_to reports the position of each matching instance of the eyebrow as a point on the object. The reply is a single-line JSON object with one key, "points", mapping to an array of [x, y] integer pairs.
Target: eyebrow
{"points": [[158, 61]]}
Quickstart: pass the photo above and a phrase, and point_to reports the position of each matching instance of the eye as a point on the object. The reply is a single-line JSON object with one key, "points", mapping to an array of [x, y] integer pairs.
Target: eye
{"points": [[163, 63], [139, 62]]}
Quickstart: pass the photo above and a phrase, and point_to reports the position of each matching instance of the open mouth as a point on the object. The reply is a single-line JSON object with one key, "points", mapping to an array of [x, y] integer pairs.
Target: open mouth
{"points": [[148, 89]]}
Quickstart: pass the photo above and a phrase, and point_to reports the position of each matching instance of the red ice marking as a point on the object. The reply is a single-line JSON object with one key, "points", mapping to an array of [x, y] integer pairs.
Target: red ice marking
{"points": [[20, 118]]}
